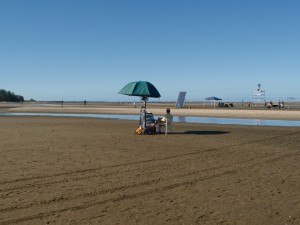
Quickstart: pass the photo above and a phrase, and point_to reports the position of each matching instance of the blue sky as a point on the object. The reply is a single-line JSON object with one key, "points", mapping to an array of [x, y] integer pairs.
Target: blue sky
{"points": [[88, 50]]}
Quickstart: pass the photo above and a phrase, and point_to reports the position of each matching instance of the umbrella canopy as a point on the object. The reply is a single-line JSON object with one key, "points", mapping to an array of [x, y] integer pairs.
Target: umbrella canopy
{"points": [[213, 98], [140, 88]]}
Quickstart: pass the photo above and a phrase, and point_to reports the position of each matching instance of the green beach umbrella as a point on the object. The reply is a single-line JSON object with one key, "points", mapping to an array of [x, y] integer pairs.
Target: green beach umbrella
{"points": [[143, 89]]}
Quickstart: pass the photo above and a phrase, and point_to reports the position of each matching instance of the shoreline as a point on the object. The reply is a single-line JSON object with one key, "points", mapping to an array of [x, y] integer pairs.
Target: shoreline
{"points": [[240, 113]]}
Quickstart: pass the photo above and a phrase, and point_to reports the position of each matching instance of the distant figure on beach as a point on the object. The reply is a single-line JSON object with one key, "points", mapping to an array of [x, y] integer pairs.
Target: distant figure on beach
{"points": [[84, 102], [62, 103], [279, 104], [282, 104], [249, 104], [134, 104], [270, 105]]}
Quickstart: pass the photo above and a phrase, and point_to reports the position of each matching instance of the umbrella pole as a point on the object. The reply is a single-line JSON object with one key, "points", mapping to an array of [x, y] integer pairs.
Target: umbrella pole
{"points": [[145, 116], [141, 119], [141, 116]]}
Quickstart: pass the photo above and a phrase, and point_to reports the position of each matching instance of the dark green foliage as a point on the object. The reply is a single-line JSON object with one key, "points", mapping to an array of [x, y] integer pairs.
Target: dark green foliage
{"points": [[8, 96]]}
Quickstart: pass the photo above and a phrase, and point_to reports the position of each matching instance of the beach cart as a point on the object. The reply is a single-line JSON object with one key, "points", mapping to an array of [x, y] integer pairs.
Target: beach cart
{"points": [[147, 122]]}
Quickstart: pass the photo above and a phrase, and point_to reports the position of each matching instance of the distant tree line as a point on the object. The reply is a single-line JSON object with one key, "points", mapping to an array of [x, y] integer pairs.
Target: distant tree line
{"points": [[8, 96]]}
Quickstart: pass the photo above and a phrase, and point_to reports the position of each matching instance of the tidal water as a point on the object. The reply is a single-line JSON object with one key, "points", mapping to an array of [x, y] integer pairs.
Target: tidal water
{"points": [[176, 119]]}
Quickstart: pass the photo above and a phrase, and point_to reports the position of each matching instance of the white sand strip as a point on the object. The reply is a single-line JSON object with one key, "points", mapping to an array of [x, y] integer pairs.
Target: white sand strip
{"points": [[273, 114]]}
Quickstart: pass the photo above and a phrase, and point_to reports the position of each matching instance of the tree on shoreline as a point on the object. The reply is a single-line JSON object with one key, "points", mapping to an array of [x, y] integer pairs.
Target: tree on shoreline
{"points": [[8, 96]]}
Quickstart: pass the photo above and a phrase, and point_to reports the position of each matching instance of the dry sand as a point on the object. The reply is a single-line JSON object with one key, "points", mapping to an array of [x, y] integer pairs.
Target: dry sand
{"points": [[57, 170]]}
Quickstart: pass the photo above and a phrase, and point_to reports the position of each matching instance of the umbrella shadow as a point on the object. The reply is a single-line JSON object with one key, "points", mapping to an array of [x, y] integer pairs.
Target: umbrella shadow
{"points": [[202, 132]]}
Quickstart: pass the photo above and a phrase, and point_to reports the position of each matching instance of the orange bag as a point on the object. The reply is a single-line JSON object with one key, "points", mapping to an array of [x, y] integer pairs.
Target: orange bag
{"points": [[139, 130]]}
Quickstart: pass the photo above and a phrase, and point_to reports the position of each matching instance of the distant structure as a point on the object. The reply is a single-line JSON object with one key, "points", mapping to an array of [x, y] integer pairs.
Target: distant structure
{"points": [[291, 99], [181, 99], [258, 96]]}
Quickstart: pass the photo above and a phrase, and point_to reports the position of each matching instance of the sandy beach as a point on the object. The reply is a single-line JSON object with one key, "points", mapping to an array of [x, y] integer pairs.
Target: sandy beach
{"points": [[149, 112], [159, 109], [58, 170]]}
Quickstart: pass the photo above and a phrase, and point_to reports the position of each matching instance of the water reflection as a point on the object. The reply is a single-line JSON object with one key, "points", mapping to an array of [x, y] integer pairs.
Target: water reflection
{"points": [[181, 119], [259, 122]]}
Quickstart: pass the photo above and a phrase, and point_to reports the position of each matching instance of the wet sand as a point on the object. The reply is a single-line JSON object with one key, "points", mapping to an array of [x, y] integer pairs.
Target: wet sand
{"points": [[57, 170]]}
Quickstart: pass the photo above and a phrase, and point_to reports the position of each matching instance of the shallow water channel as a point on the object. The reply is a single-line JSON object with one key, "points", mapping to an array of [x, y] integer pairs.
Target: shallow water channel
{"points": [[181, 119]]}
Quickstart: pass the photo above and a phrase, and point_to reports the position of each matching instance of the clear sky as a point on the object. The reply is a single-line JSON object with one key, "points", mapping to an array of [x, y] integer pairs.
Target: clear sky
{"points": [[89, 49]]}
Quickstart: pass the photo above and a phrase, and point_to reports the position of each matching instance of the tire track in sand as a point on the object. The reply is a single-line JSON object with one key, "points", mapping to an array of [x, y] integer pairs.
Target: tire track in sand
{"points": [[239, 167], [143, 161]]}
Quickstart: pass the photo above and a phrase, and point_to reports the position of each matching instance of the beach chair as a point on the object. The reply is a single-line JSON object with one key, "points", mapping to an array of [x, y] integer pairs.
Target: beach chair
{"points": [[165, 126]]}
